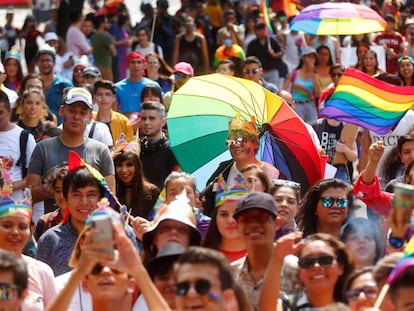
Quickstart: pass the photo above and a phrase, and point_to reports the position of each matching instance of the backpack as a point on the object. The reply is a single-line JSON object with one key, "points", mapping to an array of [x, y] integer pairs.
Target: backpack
{"points": [[22, 161]]}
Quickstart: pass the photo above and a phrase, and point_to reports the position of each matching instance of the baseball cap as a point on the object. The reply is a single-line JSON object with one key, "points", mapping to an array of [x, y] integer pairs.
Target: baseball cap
{"points": [[307, 50], [46, 49], [92, 71], [184, 68], [79, 94], [168, 254], [255, 200], [136, 55], [51, 36]]}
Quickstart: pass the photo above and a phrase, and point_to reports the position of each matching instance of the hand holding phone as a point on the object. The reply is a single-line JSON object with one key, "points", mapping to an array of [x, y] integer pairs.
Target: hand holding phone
{"points": [[104, 225]]}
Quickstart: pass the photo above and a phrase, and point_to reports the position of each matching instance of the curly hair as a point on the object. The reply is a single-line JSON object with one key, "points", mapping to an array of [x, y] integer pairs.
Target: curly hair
{"points": [[306, 219], [342, 257]]}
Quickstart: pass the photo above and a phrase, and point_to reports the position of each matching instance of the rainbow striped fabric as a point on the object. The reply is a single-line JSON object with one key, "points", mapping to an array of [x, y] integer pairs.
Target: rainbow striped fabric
{"points": [[265, 17], [367, 102]]}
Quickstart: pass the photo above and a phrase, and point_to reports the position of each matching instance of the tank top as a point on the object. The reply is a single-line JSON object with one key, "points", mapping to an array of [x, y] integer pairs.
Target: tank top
{"points": [[302, 90], [190, 52]]}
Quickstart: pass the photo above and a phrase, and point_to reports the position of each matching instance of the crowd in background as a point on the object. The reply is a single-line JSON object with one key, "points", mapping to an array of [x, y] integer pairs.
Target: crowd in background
{"points": [[83, 105]]}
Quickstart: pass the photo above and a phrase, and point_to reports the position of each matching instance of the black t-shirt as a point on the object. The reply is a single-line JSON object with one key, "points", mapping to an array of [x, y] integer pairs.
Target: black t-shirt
{"points": [[157, 160]]}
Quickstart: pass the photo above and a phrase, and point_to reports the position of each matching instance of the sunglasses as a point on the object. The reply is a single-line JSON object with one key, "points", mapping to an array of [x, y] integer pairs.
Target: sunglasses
{"points": [[396, 242], [328, 202], [369, 292], [309, 262], [98, 269], [260, 217], [7, 291], [333, 75], [241, 141], [252, 71], [180, 76], [201, 286]]}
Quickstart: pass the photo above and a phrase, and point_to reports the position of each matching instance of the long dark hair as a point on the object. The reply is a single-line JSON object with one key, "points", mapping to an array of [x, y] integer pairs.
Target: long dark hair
{"points": [[140, 187], [321, 47], [307, 219], [212, 238], [342, 257]]}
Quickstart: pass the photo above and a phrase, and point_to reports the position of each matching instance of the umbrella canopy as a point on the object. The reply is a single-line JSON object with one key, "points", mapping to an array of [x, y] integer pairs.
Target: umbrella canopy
{"points": [[338, 18], [198, 126]]}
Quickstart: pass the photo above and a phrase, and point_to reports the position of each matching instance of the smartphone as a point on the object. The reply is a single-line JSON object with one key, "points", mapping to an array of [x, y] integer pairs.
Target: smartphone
{"points": [[104, 225], [403, 206]]}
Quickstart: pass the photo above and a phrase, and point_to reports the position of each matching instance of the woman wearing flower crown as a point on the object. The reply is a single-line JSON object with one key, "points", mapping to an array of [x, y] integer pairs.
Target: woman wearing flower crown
{"points": [[15, 218], [222, 233], [132, 188]]}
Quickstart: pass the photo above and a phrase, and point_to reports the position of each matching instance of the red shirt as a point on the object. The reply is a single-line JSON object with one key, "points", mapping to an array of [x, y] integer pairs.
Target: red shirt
{"points": [[392, 42]]}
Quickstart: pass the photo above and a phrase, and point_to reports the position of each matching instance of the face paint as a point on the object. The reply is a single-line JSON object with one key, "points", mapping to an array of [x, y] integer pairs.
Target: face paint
{"points": [[64, 120], [248, 151]]}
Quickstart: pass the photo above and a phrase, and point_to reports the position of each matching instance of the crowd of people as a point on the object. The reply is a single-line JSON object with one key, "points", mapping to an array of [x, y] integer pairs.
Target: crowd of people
{"points": [[84, 140]]}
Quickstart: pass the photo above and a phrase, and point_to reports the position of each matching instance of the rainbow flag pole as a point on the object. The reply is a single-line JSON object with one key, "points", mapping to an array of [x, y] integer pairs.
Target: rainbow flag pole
{"points": [[265, 17]]}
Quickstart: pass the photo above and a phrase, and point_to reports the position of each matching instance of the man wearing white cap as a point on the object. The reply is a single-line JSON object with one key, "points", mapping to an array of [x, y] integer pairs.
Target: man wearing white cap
{"points": [[76, 113]]}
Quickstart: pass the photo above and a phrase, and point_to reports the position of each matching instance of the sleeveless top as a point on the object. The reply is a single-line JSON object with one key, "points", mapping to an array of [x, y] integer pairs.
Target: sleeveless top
{"points": [[302, 90]]}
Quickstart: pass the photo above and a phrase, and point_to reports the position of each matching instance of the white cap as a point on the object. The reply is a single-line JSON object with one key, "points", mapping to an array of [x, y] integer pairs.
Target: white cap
{"points": [[51, 36]]}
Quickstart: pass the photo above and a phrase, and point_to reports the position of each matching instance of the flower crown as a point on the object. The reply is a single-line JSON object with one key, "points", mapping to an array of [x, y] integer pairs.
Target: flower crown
{"points": [[224, 193], [123, 145], [12, 207], [239, 125]]}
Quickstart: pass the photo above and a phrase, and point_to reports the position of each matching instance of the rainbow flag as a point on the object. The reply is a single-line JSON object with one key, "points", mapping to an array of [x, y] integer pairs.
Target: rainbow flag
{"points": [[265, 18], [406, 261], [367, 102]]}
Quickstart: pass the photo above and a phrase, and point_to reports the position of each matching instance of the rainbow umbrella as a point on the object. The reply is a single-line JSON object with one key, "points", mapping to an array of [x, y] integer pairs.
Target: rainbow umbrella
{"points": [[198, 125], [338, 18]]}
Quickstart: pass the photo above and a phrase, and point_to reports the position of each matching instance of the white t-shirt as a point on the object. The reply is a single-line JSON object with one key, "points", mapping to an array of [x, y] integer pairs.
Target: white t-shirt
{"points": [[10, 154]]}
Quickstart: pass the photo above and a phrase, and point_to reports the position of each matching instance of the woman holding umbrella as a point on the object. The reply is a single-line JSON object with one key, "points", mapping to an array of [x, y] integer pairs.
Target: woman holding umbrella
{"points": [[243, 144]]}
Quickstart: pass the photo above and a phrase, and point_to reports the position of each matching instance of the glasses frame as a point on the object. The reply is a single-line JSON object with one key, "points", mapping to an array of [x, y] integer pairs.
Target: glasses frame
{"points": [[353, 294], [253, 71], [322, 260], [201, 286], [328, 202]]}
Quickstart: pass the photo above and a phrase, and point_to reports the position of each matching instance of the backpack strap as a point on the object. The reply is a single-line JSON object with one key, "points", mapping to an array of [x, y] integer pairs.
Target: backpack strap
{"points": [[22, 161], [92, 131]]}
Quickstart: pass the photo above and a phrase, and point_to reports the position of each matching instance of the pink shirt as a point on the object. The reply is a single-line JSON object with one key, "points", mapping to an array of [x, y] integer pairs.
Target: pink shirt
{"points": [[76, 41], [41, 285]]}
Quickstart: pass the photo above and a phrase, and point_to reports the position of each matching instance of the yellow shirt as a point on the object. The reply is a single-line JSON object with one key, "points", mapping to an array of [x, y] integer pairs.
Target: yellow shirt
{"points": [[119, 124]]}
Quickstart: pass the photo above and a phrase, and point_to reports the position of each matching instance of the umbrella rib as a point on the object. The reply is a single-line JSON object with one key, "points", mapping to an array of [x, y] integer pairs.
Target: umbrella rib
{"points": [[255, 105]]}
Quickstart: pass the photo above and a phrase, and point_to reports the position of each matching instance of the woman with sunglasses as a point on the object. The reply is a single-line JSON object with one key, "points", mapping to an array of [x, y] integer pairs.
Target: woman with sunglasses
{"points": [[324, 265], [361, 281], [324, 209]]}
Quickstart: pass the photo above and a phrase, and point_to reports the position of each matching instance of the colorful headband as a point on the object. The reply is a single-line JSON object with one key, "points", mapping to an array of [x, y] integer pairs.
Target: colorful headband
{"points": [[224, 193], [13, 53], [104, 210], [239, 125], [133, 146], [11, 207]]}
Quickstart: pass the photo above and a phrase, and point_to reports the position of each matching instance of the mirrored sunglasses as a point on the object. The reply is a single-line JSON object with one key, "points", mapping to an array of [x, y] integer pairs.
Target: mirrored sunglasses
{"points": [[328, 202], [241, 141]]}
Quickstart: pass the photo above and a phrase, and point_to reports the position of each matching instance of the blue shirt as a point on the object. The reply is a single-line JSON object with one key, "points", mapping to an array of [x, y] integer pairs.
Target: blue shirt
{"points": [[54, 95], [128, 94]]}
